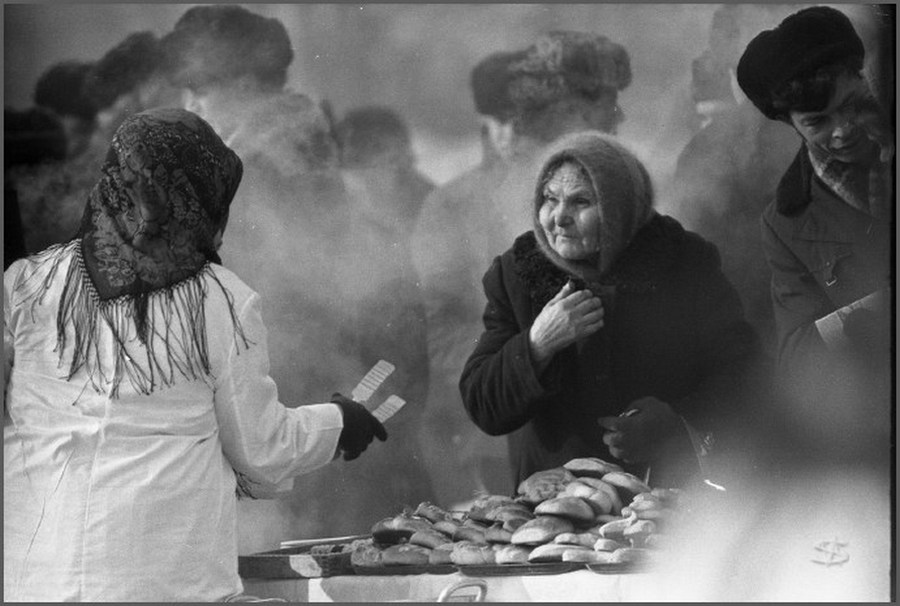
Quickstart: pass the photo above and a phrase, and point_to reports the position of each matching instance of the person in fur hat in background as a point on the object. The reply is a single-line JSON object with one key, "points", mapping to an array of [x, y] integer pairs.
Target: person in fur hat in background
{"points": [[63, 89], [565, 81], [727, 172], [386, 192], [816, 524], [827, 233], [294, 235], [609, 331], [92, 98]]}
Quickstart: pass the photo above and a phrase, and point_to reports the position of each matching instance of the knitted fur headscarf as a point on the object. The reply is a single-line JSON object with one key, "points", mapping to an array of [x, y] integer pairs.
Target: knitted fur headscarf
{"points": [[623, 189]]}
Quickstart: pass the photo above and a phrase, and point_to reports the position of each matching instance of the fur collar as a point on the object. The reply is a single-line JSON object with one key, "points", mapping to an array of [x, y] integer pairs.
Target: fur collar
{"points": [[639, 269]]}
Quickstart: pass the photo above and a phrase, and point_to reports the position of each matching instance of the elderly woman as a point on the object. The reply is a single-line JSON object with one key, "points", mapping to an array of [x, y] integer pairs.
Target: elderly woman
{"points": [[609, 330], [137, 394]]}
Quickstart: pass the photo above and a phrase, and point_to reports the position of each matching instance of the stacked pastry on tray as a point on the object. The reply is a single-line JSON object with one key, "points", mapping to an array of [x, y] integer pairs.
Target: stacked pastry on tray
{"points": [[587, 511]]}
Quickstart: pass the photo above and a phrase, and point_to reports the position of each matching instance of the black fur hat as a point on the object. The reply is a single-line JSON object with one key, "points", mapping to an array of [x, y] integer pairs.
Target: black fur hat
{"points": [[123, 67], [63, 89], [801, 44], [373, 136], [215, 43], [490, 81]]}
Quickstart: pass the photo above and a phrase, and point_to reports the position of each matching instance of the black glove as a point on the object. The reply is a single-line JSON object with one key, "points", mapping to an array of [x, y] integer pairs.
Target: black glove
{"points": [[359, 427]]}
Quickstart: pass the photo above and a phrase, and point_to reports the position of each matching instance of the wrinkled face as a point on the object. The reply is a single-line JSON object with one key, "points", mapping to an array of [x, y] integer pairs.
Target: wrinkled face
{"points": [[570, 214], [839, 129]]}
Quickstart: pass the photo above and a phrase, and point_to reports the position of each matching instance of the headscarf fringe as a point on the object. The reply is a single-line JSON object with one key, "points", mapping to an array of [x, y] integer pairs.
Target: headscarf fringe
{"points": [[174, 317]]}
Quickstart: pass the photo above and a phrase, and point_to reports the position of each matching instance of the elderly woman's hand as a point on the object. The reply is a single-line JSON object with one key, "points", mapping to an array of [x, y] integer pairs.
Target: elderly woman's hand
{"points": [[639, 437], [567, 317]]}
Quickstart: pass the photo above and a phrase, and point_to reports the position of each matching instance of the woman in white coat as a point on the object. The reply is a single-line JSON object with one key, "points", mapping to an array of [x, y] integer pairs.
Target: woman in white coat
{"points": [[137, 398]]}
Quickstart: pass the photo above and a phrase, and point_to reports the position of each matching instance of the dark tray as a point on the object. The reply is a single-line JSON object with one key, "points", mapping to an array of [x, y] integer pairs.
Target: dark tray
{"points": [[623, 568], [513, 570], [293, 563], [399, 569]]}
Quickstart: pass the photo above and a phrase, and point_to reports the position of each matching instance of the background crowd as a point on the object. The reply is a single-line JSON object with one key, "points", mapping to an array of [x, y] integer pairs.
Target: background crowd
{"points": [[384, 151]]}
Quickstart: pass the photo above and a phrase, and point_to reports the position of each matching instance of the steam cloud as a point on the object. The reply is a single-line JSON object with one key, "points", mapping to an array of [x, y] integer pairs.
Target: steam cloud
{"points": [[416, 59]]}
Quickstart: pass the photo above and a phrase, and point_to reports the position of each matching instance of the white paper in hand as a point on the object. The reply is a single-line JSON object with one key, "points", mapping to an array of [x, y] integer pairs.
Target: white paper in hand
{"points": [[372, 381], [388, 408]]}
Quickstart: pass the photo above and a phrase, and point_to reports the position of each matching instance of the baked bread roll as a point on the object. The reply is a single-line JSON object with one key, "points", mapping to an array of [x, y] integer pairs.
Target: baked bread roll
{"points": [[553, 552], [540, 530], [447, 527], [543, 485], [591, 466], [581, 539], [429, 538], [627, 484], [575, 509], [631, 555], [604, 544], [440, 555], [365, 553], [471, 533], [508, 512], [484, 505], [466, 553], [608, 489], [497, 534], [405, 555], [512, 554], [398, 529], [431, 512], [587, 557]]}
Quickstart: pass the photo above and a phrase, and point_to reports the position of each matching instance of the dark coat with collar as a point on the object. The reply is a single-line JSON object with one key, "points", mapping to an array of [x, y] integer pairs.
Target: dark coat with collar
{"points": [[824, 254], [673, 329]]}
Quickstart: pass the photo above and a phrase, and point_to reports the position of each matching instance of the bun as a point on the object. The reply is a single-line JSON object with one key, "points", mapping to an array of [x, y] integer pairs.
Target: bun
{"points": [[591, 467]]}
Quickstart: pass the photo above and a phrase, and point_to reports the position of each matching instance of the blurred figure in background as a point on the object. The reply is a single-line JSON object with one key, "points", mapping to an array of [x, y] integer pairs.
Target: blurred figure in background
{"points": [[292, 234], [31, 139], [93, 98], [130, 78], [727, 172], [231, 65], [63, 89], [566, 81], [386, 194], [816, 525], [51, 196]]}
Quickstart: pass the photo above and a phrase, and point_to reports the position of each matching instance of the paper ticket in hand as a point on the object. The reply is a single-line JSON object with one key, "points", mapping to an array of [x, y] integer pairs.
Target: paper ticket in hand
{"points": [[388, 408], [372, 381]]}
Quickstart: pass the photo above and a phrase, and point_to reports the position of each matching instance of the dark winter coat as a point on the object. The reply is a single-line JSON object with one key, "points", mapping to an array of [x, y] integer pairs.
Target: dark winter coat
{"points": [[673, 329], [824, 255]]}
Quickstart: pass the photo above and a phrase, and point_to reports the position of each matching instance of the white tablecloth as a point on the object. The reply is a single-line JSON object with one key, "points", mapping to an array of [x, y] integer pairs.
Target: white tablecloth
{"points": [[578, 586]]}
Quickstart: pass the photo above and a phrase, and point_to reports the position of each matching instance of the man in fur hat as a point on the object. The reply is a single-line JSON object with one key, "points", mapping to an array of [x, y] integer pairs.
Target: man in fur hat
{"points": [[827, 234], [64, 90], [565, 82]]}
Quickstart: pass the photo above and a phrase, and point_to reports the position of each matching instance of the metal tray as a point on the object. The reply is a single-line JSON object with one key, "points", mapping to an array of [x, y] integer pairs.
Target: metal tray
{"points": [[399, 569], [513, 570]]}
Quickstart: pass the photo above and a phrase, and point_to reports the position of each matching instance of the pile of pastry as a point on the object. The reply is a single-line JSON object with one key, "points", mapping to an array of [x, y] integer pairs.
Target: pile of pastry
{"points": [[587, 511]]}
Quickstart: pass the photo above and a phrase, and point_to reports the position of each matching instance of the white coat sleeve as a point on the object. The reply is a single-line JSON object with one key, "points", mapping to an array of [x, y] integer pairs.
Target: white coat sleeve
{"points": [[262, 439]]}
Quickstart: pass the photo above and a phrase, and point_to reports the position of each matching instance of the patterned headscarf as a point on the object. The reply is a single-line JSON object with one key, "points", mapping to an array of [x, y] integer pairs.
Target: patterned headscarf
{"points": [[144, 250], [151, 220]]}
